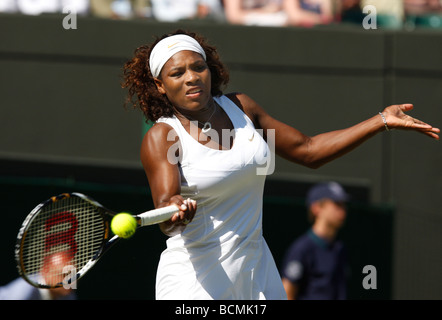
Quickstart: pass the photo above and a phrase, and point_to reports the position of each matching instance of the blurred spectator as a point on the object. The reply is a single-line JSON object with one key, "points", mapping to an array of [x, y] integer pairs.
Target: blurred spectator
{"points": [[390, 14], [19, 289], [175, 10], [315, 266], [255, 12], [350, 11], [121, 9], [422, 7], [308, 13], [81, 7], [8, 6], [423, 13], [52, 272], [36, 7]]}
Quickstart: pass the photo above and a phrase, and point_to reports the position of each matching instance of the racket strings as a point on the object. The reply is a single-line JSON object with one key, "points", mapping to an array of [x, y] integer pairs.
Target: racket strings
{"points": [[61, 239]]}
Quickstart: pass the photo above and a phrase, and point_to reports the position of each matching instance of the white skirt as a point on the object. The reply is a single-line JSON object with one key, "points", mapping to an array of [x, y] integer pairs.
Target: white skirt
{"points": [[236, 270]]}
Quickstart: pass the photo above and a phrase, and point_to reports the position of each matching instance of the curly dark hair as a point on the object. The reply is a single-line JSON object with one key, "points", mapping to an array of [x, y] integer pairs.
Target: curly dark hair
{"points": [[143, 92]]}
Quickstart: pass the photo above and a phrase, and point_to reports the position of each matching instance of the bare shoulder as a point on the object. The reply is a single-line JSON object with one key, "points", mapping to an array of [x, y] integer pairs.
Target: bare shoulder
{"points": [[159, 132], [157, 140], [248, 105]]}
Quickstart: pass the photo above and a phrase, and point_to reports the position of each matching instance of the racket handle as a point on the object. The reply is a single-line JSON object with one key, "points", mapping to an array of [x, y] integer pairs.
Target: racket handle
{"points": [[157, 215]]}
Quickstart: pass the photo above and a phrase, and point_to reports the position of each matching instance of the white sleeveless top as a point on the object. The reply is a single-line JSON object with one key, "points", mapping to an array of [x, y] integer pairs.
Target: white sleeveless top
{"points": [[221, 254]]}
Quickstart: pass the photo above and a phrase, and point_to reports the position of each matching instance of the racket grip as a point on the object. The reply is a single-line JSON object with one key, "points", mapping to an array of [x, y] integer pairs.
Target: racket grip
{"points": [[157, 215]]}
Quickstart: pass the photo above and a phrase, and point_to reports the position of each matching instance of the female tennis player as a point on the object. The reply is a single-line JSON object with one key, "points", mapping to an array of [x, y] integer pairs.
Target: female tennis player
{"points": [[206, 146]]}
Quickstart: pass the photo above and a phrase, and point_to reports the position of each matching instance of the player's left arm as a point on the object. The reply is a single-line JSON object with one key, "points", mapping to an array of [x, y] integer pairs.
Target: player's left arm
{"points": [[315, 151]]}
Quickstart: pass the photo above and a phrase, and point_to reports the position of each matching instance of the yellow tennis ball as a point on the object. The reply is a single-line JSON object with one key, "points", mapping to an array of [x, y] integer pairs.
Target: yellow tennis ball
{"points": [[123, 225]]}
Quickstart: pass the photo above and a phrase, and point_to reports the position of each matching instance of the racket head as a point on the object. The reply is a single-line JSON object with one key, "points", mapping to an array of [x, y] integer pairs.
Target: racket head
{"points": [[61, 239]]}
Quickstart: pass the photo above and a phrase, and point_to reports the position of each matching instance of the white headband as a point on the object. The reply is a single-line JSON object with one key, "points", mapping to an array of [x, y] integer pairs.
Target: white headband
{"points": [[167, 47]]}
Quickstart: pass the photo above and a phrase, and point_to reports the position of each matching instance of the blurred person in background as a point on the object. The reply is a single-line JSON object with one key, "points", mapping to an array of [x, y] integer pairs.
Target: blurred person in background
{"points": [[420, 7], [423, 13], [255, 12], [121, 9], [307, 13], [37, 7], [53, 267], [350, 11], [315, 265], [175, 10], [8, 6]]}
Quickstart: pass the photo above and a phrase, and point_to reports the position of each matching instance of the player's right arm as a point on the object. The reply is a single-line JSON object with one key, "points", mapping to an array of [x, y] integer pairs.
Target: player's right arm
{"points": [[158, 156]]}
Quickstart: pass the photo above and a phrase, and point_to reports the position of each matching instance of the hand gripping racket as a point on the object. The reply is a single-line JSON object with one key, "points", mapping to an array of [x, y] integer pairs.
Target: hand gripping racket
{"points": [[64, 236]]}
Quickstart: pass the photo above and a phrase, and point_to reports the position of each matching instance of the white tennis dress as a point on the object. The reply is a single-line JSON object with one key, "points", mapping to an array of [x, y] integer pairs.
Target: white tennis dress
{"points": [[221, 254]]}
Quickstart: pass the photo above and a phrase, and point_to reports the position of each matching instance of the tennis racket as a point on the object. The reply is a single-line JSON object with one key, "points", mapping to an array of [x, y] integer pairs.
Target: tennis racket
{"points": [[64, 236]]}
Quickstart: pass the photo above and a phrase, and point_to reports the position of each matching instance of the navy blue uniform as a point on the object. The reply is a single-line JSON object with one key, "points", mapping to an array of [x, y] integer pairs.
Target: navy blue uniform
{"points": [[317, 267]]}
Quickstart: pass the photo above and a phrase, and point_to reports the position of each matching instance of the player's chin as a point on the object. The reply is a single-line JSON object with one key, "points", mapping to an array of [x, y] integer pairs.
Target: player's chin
{"points": [[197, 100]]}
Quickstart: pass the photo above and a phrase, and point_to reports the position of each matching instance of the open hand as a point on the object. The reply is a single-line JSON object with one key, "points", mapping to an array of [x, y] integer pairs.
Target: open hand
{"points": [[397, 119]]}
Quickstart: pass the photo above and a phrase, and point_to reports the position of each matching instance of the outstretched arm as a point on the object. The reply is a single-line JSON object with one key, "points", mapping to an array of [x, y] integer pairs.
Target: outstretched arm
{"points": [[397, 119], [318, 150]]}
